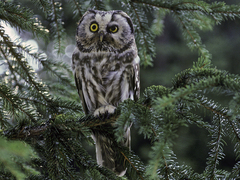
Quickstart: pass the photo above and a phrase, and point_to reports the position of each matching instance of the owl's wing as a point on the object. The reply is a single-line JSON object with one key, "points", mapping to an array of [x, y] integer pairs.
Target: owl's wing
{"points": [[136, 78], [78, 81]]}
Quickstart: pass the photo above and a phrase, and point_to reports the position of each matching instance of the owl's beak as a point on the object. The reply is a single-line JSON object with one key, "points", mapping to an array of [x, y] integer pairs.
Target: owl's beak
{"points": [[101, 34]]}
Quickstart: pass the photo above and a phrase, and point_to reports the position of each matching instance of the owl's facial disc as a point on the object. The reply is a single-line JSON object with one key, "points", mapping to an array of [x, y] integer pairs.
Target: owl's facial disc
{"points": [[102, 31]]}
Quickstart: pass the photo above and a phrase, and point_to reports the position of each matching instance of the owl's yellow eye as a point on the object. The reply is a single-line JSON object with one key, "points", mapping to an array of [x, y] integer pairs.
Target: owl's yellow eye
{"points": [[113, 29], [94, 27]]}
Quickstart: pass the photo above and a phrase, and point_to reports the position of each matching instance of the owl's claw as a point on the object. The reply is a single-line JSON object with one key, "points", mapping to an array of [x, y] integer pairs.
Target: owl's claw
{"points": [[108, 109]]}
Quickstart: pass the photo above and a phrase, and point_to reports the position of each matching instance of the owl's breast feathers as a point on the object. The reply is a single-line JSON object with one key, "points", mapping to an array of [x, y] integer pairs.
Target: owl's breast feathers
{"points": [[106, 78]]}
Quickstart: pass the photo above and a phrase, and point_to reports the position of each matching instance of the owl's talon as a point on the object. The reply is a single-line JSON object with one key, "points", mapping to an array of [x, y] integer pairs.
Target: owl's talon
{"points": [[104, 110], [100, 117], [108, 115]]}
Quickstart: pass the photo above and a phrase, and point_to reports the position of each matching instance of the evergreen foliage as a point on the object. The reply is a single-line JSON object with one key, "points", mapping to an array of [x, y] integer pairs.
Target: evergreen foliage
{"points": [[44, 114]]}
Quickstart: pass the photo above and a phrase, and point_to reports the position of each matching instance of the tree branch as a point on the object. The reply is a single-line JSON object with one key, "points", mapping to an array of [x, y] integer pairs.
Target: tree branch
{"points": [[37, 131]]}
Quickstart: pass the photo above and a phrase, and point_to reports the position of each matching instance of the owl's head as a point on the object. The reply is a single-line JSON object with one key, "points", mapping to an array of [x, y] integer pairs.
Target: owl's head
{"points": [[105, 31]]}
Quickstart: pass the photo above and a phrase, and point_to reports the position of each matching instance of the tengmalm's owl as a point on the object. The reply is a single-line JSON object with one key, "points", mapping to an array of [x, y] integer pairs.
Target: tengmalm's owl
{"points": [[106, 70]]}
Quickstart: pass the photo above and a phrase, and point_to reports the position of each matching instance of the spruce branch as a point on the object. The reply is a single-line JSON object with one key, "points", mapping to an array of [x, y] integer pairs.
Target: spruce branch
{"points": [[142, 28], [196, 40], [215, 109], [5, 55], [164, 5], [24, 70], [44, 5], [216, 145], [71, 126], [77, 8], [144, 37], [235, 171], [161, 156], [57, 27], [13, 103], [22, 19], [57, 131], [37, 131], [132, 165], [217, 10], [56, 69], [97, 4], [196, 119], [192, 37]]}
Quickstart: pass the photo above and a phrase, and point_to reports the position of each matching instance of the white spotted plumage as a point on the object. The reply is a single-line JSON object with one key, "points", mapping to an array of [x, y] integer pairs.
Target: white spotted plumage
{"points": [[105, 64]]}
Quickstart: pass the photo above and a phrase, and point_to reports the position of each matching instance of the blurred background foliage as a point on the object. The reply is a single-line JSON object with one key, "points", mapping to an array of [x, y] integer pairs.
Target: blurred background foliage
{"points": [[172, 57]]}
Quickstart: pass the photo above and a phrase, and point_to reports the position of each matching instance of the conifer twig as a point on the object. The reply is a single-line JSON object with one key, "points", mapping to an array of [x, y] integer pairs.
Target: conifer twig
{"points": [[132, 165], [37, 131]]}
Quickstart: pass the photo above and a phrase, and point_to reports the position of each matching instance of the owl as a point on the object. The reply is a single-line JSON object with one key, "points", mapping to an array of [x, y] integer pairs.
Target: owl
{"points": [[105, 64]]}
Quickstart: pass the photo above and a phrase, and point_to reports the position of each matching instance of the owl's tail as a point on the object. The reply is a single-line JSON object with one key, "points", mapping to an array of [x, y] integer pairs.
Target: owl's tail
{"points": [[107, 153]]}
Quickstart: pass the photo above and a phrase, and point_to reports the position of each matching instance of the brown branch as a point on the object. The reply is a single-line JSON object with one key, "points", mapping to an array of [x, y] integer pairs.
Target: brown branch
{"points": [[25, 132], [225, 116], [176, 8], [36, 131], [132, 165], [57, 25], [16, 104], [141, 27], [191, 36], [78, 8]]}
